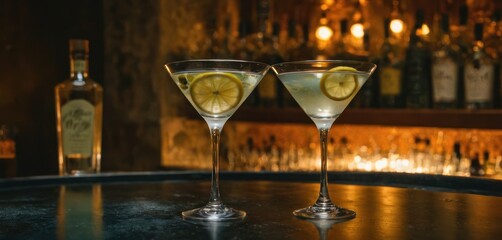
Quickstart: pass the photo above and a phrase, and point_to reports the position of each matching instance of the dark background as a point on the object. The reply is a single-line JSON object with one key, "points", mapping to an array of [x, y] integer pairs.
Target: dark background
{"points": [[33, 59]]}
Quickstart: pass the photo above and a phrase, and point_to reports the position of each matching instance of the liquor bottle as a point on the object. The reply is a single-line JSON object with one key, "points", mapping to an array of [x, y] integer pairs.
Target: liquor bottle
{"points": [[417, 68], [367, 97], [452, 160], [209, 46], [79, 107], [305, 50], [270, 88], [342, 46], [445, 70], [292, 42], [462, 37], [244, 49], [476, 169], [461, 44], [291, 46], [478, 74], [494, 49], [390, 72], [8, 166], [224, 42]]}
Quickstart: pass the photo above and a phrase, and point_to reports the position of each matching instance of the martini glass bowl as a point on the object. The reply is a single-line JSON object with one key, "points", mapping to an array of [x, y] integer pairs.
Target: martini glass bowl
{"points": [[323, 89], [216, 88]]}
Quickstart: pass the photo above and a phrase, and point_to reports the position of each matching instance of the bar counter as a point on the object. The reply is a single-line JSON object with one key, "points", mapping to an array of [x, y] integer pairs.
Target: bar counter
{"points": [[147, 205]]}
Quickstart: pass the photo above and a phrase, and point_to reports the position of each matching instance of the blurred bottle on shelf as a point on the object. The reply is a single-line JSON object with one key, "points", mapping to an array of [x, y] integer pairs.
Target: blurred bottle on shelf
{"points": [[367, 97], [342, 46], [476, 169], [306, 49], [270, 89], [463, 35], [494, 50], [445, 71], [417, 68], [292, 42], [478, 74], [244, 50], [8, 164], [289, 49], [390, 68]]}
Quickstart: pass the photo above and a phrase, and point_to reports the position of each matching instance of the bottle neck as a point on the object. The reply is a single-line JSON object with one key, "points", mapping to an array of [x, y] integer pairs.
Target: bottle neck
{"points": [[79, 67]]}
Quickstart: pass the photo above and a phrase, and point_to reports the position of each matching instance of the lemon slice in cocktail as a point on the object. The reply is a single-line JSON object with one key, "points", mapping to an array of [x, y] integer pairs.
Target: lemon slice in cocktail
{"points": [[216, 92], [339, 83]]}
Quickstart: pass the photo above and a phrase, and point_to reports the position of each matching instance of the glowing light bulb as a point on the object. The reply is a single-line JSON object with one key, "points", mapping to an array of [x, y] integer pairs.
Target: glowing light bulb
{"points": [[357, 30], [396, 25], [323, 33], [425, 29]]}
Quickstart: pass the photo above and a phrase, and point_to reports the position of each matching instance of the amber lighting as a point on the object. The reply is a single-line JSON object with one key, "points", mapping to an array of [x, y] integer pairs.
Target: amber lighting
{"points": [[323, 32], [357, 30], [397, 25]]}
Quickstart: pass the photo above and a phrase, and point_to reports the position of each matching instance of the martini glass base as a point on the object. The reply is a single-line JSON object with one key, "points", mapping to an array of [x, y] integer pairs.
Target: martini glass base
{"points": [[214, 214], [325, 213]]}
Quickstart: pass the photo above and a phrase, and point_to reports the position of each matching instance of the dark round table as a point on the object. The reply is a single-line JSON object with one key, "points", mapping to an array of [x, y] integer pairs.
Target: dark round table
{"points": [[147, 205]]}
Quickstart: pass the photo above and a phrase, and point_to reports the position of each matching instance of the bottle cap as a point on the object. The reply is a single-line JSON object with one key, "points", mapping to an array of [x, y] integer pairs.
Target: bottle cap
{"points": [[79, 45]]}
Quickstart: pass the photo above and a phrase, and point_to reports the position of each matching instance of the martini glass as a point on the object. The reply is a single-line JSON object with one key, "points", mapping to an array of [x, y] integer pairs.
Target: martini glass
{"points": [[216, 89], [323, 89]]}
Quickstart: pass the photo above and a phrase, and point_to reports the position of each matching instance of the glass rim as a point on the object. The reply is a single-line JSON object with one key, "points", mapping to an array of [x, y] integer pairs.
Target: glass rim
{"points": [[369, 66], [324, 60], [229, 60]]}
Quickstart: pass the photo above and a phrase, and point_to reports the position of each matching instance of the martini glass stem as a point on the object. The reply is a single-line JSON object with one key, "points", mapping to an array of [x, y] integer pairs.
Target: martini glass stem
{"points": [[214, 199], [324, 200]]}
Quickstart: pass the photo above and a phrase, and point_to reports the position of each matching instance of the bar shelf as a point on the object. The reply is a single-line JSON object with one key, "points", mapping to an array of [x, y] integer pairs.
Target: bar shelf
{"points": [[452, 118]]}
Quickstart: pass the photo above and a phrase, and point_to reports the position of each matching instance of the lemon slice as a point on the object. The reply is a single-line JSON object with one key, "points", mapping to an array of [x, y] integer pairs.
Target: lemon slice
{"points": [[216, 92], [339, 86]]}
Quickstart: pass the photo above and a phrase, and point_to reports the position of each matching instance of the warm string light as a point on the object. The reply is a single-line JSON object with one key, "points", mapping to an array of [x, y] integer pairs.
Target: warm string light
{"points": [[424, 30], [323, 32], [396, 25], [357, 30]]}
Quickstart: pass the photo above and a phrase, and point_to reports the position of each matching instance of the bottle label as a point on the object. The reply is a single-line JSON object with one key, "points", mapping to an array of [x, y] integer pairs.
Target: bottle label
{"points": [[390, 81], [79, 65], [444, 80], [77, 127], [479, 83]]}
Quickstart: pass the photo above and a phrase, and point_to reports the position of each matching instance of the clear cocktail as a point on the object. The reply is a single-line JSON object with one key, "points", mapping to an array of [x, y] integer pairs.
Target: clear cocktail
{"points": [[323, 89], [216, 89]]}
